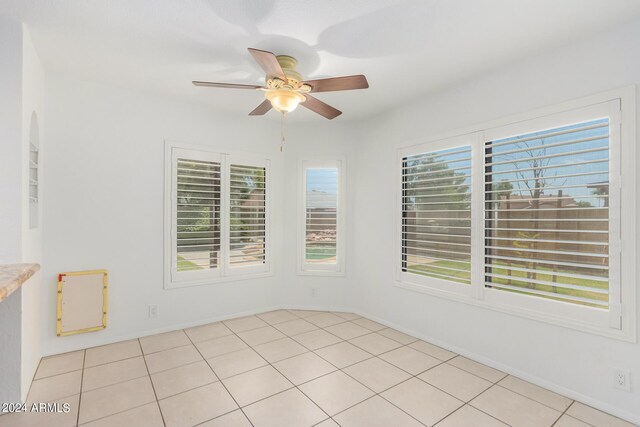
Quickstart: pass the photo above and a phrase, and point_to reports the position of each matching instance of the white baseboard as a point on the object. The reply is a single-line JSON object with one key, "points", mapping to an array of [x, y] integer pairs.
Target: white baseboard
{"points": [[315, 308], [572, 394], [168, 328]]}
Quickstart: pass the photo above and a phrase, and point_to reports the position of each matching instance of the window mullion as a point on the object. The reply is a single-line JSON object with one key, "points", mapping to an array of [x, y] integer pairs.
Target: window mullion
{"points": [[224, 217], [615, 232], [477, 217]]}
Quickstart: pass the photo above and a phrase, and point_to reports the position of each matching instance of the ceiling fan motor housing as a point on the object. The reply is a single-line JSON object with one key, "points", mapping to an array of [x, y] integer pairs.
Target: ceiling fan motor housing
{"points": [[285, 96]]}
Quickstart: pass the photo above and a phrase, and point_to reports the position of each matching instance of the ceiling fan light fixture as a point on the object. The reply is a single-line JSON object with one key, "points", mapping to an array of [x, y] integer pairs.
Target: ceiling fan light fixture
{"points": [[284, 100]]}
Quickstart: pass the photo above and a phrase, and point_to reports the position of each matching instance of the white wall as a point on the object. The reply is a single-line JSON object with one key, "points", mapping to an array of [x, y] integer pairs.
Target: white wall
{"points": [[10, 202], [569, 361], [32, 104], [317, 139], [10, 137], [21, 85], [103, 206]]}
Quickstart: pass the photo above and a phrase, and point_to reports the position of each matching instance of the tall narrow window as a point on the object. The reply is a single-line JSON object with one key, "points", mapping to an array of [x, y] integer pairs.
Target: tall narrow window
{"points": [[547, 213], [436, 214], [322, 217], [247, 200], [197, 213], [217, 217]]}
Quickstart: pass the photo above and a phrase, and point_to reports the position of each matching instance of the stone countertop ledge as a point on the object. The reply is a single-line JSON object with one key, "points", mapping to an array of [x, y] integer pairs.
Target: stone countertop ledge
{"points": [[12, 276]]}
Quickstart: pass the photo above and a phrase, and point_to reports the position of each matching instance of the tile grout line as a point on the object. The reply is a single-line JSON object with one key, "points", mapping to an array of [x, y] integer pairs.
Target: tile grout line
{"points": [[119, 412], [345, 373], [483, 411], [291, 382], [534, 400], [337, 368], [411, 377], [220, 380], [33, 379], [565, 413], [276, 369], [128, 409], [153, 387], [84, 358]]}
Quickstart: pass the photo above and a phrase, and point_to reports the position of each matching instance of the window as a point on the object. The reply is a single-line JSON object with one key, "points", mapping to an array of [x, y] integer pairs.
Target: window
{"points": [[217, 217], [321, 249], [247, 217], [547, 213], [436, 215], [527, 218], [197, 198]]}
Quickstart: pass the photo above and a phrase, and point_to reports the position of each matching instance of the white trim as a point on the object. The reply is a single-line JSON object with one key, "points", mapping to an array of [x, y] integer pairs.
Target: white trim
{"points": [[440, 286], [170, 328], [622, 298], [224, 272], [252, 270], [314, 269]]}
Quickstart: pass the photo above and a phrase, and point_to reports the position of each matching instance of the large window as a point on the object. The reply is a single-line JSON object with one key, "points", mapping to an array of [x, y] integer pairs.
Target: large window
{"points": [[217, 216], [528, 218], [547, 213], [322, 211]]}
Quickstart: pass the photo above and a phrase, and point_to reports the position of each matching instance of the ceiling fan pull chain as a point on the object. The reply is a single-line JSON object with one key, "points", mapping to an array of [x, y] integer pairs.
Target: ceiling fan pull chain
{"points": [[281, 130]]}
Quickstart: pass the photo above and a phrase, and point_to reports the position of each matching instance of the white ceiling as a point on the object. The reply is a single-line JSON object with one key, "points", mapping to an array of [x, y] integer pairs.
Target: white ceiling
{"points": [[406, 48]]}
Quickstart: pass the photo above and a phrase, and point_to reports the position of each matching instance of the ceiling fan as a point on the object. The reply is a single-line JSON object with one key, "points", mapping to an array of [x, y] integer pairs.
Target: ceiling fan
{"points": [[285, 88]]}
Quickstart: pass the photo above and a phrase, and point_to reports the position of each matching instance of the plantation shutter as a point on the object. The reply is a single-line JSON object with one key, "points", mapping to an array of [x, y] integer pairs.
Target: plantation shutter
{"points": [[247, 215], [547, 213], [197, 214], [321, 215], [436, 214]]}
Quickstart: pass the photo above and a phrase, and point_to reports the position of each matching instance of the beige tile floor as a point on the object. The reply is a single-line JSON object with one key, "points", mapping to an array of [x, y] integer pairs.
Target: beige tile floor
{"points": [[290, 368]]}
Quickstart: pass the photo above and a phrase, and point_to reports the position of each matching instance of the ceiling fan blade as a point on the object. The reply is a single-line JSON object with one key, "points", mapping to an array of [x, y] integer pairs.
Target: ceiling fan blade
{"points": [[338, 83], [268, 62], [262, 108], [317, 106], [226, 85]]}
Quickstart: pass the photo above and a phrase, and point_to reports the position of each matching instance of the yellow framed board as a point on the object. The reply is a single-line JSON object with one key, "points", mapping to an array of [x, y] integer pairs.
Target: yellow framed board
{"points": [[82, 302]]}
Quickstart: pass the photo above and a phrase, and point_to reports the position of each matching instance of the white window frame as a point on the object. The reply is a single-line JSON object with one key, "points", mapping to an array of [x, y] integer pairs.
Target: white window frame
{"points": [[313, 269], [252, 270], [440, 286], [619, 321], [224, 272]]}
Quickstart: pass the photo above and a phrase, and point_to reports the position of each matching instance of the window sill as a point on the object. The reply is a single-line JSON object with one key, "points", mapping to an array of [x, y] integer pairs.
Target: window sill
{"points": [[322, 273], [215, 280], [628, 335]]}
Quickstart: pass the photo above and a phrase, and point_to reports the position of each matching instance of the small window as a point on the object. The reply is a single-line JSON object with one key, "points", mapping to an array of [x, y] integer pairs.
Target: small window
{"points": [[322, 217], [217, 217]]}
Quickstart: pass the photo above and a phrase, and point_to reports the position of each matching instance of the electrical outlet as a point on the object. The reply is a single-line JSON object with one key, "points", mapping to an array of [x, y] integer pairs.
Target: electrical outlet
{"points": [[622, 379], [314, 292], [153, 311]]}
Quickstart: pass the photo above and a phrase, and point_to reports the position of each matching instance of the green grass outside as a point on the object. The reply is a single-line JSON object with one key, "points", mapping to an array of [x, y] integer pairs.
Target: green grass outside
{"points": [[436, 268], [184, 264], [320, 252]]}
